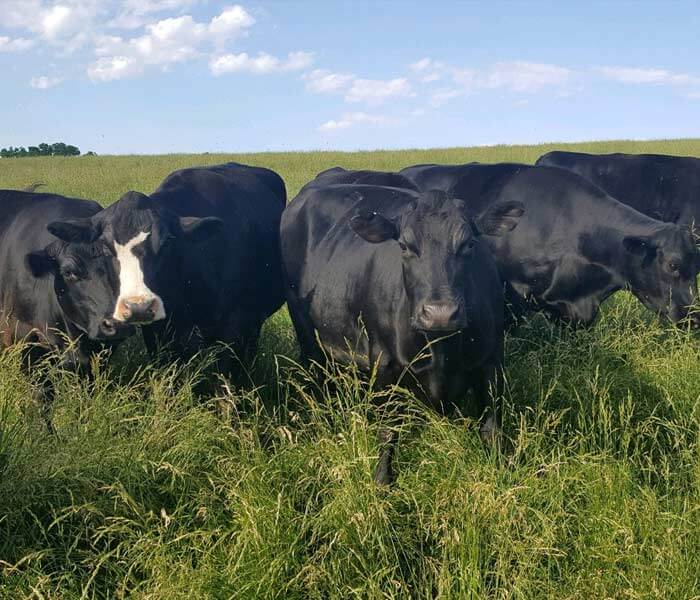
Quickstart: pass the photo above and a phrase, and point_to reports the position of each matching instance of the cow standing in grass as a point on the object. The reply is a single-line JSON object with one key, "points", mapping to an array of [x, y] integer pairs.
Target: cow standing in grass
{"points": [[198, 260], [392, 273], [57, 290]]}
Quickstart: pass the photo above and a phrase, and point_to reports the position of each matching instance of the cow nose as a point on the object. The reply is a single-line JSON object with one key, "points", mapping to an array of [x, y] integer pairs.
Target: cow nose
{"points": [[138, 310], [109, 327], [440, 316]]}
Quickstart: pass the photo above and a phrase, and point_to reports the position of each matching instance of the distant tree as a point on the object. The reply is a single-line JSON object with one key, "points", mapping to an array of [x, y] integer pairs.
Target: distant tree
{"points": [[90, 153], [43, 149]]}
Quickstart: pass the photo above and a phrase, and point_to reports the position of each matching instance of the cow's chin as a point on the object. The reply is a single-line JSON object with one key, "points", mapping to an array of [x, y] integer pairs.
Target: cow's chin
{"points": [[98, 334]]}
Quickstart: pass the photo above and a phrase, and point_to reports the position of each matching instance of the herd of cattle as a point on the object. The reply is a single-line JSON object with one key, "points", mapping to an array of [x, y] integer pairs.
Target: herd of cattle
{"points": [[415, 273]]}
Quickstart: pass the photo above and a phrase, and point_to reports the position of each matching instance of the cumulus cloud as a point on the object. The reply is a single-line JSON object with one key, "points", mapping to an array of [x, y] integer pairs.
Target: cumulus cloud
{"points": [[376, 91], [14, 45], [135, 13], [354, 89], [349, 119], [168, 41], [65, 23], [323, 81], [44, 82], [261, 64]]}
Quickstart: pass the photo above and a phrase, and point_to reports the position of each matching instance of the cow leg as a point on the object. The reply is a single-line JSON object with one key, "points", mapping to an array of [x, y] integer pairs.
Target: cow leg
{"points": [[488, 393], [384, 471], [44, 395], [306, 334]]}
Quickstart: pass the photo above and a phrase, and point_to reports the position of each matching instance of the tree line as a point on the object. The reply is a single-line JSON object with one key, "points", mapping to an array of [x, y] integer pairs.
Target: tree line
{"points": [[57, 149]]}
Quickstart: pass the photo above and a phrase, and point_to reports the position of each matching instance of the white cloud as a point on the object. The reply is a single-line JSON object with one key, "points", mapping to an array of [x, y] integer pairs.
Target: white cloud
{"points": [[15, 45], [261, 64], [56, 21], [515, 76], [323, 81], [44, 82], [166, 42], [134, 13], [369, 91], [421, 65], [68, 24], [114, 67], [636, 75], [521, 76], [347, 120], [231, 21], [443, 95], [376, 91], [20, 13], [429, 69]]}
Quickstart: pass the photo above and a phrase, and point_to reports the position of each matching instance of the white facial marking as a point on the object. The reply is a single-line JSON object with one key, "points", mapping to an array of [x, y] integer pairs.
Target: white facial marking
{"points": [[132, 287]]}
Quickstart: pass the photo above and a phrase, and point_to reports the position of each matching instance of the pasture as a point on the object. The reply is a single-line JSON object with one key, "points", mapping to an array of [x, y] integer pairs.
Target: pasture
{"points": [[266, 492]]}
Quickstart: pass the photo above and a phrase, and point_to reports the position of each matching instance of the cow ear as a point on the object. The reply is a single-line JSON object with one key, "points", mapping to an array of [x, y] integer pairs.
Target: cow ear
{"points": [[40, 263], [643, 247], [79, 231], [500, 219], [373, 227], [196, 229]]}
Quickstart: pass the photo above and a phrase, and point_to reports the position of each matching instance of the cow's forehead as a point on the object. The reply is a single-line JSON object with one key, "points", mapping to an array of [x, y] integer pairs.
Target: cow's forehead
{"points": [[122, 227]]}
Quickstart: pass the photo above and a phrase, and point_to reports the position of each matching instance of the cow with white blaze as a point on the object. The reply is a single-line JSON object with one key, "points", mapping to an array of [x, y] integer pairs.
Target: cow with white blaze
{"points": [[197, 261]]}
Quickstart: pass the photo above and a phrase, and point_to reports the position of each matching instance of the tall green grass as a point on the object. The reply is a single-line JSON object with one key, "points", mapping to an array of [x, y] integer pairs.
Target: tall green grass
{"points": [[266, 491]]}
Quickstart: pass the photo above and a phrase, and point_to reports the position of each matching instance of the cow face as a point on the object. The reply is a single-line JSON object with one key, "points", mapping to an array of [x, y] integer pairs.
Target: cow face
{"points": [[440, 249], [138, 245], [664, 272], [85, 285]]}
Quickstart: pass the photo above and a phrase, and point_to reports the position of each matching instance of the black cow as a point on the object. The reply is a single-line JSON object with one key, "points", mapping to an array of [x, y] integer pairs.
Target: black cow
{"points": [[388, 284], [576, 245], [663, 187], [338, 175], [197, 260], [54, 294]]}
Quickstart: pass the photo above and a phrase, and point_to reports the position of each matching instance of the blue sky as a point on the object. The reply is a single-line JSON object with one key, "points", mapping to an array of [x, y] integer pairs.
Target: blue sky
{"points": [[153, 76]]}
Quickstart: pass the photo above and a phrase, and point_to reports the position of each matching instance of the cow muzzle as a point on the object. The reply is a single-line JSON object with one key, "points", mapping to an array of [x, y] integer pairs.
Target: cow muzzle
{"points": [[139, 310], [110, 328], [440, 316]]}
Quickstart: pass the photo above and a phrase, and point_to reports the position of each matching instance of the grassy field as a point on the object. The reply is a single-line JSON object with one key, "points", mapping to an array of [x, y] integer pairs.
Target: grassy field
{"points": [[266, 492]]}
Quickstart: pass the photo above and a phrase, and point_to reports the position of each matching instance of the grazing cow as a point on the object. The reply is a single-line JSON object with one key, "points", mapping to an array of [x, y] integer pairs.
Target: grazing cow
{"points": [[199, 258], [388, 284], [576, 245], [338, 175], [666, 188], [54, 292]]}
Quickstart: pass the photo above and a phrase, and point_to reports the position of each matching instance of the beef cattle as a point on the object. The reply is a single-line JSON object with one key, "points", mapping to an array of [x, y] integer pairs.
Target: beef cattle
{"points": [[666, 188], [338, 175], [386, 272], [55, 294], [198, 260], [575, 245]]}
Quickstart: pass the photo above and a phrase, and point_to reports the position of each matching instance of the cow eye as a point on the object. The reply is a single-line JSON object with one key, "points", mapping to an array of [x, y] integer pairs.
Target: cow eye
{"points": [[408, 249], [69, 275], [674, 267], [466, 246], [139, 251]]}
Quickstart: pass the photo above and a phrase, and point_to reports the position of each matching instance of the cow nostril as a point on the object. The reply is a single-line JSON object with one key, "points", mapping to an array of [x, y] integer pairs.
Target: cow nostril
{"points": [[108, 326]]}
